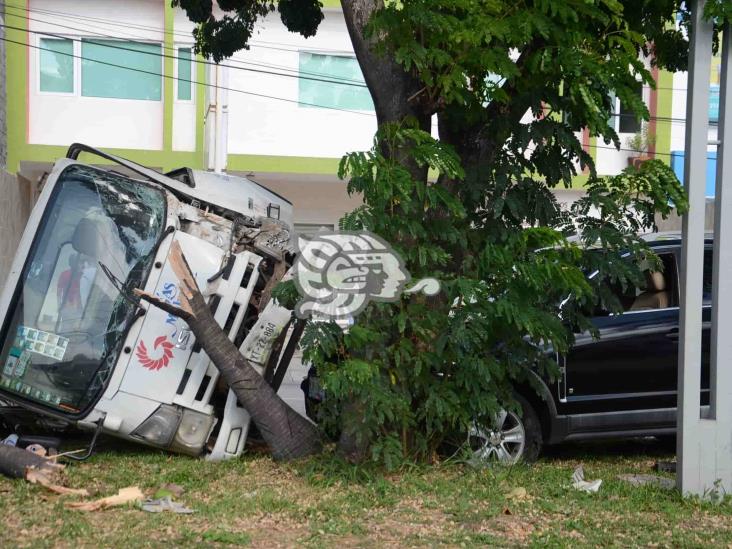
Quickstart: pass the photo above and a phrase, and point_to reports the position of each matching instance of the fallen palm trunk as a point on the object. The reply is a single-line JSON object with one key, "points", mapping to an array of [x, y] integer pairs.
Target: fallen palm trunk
{"points": [[287, 434]]}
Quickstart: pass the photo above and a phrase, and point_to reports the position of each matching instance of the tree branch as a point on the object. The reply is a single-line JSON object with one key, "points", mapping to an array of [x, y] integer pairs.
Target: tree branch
{"points": [[180, 312]]}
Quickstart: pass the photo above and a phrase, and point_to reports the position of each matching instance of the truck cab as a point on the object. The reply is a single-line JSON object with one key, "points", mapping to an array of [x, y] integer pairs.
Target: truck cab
{"points": [[78, 348]]}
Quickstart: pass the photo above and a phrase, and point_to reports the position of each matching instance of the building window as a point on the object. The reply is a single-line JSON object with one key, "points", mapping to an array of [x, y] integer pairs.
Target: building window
{"points": [[185, 74], [121, 69], [626, 119], [317, 71], [56, 65]]}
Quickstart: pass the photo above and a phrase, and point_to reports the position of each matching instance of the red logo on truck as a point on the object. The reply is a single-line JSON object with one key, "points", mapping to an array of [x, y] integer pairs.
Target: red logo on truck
{"points": [[155, 363]]}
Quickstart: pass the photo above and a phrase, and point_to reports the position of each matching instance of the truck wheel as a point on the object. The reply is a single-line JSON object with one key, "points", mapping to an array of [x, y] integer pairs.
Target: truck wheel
{"points": [[509, 438]]}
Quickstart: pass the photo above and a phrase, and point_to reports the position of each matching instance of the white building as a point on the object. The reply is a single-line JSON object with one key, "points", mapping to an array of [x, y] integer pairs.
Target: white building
{"points": [[121, 76]]}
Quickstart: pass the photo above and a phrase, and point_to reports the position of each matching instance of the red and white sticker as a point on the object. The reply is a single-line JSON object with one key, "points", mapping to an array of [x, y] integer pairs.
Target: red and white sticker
{"points": [[162, 360]]}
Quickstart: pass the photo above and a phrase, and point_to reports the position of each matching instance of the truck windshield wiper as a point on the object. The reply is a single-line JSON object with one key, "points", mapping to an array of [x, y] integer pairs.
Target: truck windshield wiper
{"points": [[119, 285]]}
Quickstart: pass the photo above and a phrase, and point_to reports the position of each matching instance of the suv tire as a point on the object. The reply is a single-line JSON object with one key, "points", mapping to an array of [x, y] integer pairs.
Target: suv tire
{"points": [[511, 437]]}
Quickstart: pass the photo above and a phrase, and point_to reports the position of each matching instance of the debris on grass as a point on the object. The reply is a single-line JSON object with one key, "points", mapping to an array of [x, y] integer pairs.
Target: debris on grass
{"points": [[649, 480], [579, 482], [41, 477], [165, 504], [665, 466], [131, 494], [518, 494], [169, 490]]}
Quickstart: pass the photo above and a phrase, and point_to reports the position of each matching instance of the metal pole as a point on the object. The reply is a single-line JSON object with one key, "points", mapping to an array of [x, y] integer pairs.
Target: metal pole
{"points": [[689, 441], [217, 122], [720, 382]]}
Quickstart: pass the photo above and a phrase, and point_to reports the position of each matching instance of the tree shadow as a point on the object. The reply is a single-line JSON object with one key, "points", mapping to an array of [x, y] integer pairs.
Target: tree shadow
{"points": [[640, 447]]}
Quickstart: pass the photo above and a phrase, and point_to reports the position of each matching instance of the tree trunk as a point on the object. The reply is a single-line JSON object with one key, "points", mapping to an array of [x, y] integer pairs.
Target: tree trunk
{"points": [[397, 96], [16, 462], [288, 434], [353, 443]]}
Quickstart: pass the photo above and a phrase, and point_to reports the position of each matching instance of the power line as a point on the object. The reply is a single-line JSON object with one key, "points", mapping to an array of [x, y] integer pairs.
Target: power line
{"points": [[168, 56], [618, 115], [152, 73], [658, 119], [254, 43], [173, 49], [113, 23]]}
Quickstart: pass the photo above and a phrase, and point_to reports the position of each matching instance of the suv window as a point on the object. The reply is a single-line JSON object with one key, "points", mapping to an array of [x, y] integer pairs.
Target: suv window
{"points": [[707, 291], [661, 289]]}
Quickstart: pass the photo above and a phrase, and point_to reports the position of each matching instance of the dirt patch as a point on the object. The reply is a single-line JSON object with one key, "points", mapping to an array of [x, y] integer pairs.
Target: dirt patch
{"points": [[511, 528], [409, 519]]}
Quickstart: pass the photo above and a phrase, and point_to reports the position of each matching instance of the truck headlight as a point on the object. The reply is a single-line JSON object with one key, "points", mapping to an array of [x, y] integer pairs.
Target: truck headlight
{"points": [[160, 427], [192, 432]]}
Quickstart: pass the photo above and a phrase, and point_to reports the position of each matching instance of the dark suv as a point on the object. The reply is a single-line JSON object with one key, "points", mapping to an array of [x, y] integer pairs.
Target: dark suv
{"points": [[623, 384]]}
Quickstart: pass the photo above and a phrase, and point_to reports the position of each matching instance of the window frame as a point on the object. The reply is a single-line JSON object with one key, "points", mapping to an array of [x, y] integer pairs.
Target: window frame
{"points": [[616, 116], [76, 64], [193, 82], [672, 250], [80, 41], [344, 53]]}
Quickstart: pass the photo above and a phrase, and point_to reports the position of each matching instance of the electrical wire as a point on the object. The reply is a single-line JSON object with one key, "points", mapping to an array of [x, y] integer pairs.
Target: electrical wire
{"points": [[330, 80], [656, 118], [254, 43], [109, 22], [670, 120], [167, 56], [152, 73], [298, 71]]}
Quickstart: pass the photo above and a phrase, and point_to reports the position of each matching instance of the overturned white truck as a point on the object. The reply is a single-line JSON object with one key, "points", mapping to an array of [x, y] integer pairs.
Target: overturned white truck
{"points": [[79, 349]]}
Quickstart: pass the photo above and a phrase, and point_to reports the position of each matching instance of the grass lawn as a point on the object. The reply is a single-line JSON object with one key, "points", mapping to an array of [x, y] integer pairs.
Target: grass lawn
{"points": [[321, 502]]}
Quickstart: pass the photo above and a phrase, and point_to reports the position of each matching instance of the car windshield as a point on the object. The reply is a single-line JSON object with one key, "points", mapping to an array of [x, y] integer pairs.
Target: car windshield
{"points": [[63, 330]]}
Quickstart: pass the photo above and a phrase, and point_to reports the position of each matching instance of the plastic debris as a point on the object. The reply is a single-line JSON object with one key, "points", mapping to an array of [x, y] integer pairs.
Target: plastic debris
{"points": [[579, 482], [649, 480], [11, 440], [123, 497], [666, 466], [165, 504], [169, 490]]}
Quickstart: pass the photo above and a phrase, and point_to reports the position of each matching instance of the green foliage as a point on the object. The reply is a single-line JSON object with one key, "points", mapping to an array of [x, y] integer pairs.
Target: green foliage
{"points": [[426, 367], [718, 10], [286, 294], [301, 16], [487, 225], [218, 39]]}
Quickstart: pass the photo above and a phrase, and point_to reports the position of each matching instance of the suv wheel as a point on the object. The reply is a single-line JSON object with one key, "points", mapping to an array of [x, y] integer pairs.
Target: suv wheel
{"points": [[509, 438]]}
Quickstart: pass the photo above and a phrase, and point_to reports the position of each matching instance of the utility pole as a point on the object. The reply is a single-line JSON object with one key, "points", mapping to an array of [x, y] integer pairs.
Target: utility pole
{"points": [[217, 118], [704, 444]]}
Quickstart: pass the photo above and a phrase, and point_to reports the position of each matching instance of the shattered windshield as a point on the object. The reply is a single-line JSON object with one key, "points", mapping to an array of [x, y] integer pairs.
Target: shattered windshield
{"points": [[64, 328]]}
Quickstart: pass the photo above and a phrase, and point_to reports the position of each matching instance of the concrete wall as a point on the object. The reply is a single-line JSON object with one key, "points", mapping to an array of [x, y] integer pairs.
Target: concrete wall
{"points": [[3, 99], [15, 207], [673, 222]]}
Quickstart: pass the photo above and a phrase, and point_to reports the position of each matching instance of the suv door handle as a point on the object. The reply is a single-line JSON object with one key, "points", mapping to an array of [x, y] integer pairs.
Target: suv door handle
{"points": [[673, 334]]}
